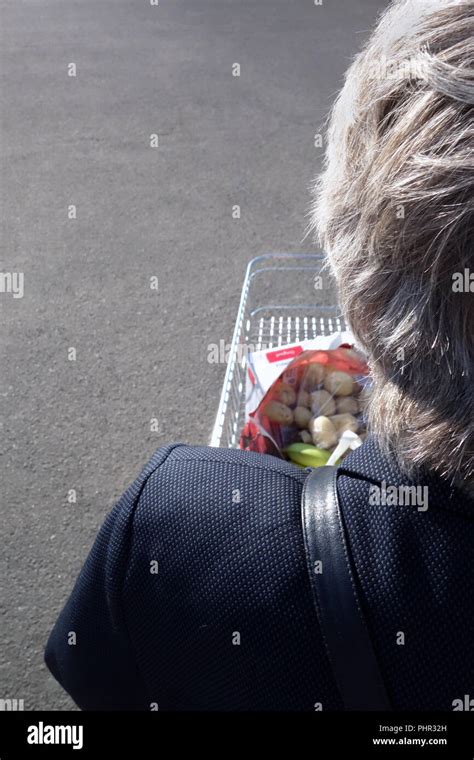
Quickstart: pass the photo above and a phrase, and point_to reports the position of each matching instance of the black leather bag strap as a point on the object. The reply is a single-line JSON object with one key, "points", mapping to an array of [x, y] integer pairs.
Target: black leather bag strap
{"points": [[333, 585]]}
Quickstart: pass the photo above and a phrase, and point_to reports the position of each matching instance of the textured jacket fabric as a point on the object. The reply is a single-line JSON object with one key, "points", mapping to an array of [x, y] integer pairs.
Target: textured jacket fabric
{"points": [[195, 595]]}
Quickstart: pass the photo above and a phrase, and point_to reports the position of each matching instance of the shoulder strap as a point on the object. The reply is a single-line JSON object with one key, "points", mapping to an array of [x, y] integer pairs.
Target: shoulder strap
{"points": [[333, 585]]}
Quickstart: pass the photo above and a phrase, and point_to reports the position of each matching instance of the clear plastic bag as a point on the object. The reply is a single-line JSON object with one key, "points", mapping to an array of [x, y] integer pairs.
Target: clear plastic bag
{"points": [[317, 402]]}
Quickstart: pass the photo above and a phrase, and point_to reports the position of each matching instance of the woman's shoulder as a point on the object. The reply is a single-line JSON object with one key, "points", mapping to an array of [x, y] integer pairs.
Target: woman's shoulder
{"points": [[218, 523], [180, 453], [201, 486]]}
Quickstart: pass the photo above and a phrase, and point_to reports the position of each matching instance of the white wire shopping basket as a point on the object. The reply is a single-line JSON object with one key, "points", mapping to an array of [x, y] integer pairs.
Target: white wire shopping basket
{"points": [[284, 300]]}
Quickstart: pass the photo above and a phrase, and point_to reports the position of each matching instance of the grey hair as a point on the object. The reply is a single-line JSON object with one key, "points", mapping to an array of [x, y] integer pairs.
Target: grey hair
{"points": [[394, 209]]}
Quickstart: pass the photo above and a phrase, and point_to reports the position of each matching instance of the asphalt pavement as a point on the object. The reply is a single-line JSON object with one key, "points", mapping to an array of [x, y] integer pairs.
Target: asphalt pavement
{"points": [[140, 212]]}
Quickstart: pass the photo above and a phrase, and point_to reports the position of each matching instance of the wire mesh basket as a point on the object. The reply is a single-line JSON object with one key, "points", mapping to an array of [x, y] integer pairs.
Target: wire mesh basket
{"points": [[286, 297]]}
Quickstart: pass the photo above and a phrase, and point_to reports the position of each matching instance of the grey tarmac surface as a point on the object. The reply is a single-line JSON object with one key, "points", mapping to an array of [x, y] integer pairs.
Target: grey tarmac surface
{"points": [[141, 212]]}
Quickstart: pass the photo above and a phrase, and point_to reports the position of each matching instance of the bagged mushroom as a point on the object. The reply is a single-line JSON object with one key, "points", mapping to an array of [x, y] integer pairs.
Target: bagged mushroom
{"points": [[314, 412]]}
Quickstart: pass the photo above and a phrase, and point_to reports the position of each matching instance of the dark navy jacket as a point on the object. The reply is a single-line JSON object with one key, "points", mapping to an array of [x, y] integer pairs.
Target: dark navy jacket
{"points": [[195, 595]]}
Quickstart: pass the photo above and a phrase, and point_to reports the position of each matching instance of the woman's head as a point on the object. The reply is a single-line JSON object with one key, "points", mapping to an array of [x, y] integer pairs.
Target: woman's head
{"points": [[394, 209]]}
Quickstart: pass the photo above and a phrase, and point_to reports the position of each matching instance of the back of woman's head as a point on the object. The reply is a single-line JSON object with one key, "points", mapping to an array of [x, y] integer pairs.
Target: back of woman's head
{"points": [[395, 212]]}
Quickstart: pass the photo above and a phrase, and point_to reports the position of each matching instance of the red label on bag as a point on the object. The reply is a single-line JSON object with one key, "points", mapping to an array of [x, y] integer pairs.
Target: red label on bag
{"points": [[283, 353]]}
